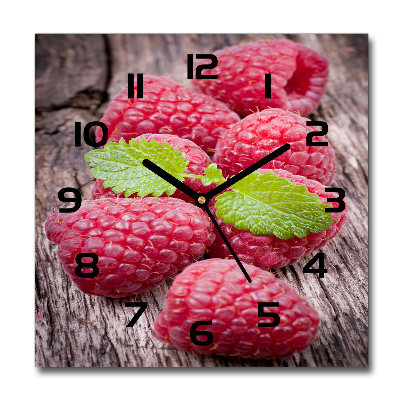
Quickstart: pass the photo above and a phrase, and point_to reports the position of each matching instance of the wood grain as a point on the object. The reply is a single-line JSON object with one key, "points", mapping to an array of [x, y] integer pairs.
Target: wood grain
{"points": [[76, 76]]}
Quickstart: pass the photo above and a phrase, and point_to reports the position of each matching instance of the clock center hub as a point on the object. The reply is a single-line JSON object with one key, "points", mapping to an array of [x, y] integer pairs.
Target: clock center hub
{"points": [[201, 200]]}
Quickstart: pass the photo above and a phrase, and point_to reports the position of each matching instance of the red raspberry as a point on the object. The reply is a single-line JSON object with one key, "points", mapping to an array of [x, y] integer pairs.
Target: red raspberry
{"points": [[259, 134], [216, 290], [269, 252], [139, 242], [198, 162], [167, 107], [299, 76]]}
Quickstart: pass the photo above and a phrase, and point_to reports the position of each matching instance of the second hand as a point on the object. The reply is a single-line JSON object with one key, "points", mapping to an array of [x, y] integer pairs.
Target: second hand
{"points": [[227, 243], [201, 201]]}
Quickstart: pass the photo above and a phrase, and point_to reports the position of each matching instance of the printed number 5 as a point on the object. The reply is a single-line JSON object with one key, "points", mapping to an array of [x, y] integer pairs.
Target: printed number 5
{"points": [[262, 313]]}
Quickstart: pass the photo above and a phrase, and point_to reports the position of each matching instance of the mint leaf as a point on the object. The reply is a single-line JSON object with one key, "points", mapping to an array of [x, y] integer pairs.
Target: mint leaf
{"points": [[120, 166], [265, 204], [213, 175]]}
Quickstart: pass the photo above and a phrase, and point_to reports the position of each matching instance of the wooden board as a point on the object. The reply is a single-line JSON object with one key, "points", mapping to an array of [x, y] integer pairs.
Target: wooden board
{"points": [[76, 76]]}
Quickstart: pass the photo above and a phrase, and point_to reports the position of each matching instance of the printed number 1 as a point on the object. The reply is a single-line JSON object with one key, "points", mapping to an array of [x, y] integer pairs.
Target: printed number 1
{"points": [[268, 92]]}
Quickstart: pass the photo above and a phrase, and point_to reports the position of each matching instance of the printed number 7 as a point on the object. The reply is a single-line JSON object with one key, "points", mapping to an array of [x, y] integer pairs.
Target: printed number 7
{"points": [[142, 306]]}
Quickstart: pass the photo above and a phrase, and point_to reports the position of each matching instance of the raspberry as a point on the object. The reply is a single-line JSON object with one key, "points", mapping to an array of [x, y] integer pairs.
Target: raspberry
{"points": [[216, 290], [167, 107], [269, 252], [198, 162], [259, 134], [299, 76], [139, 242]]}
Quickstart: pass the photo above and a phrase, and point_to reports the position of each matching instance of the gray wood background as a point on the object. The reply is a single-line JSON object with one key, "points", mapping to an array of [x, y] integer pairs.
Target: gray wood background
{"points": [[76, 77]]}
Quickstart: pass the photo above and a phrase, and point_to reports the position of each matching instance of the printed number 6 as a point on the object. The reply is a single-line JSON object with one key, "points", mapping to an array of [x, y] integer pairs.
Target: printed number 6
{"points": [[194, 334]]}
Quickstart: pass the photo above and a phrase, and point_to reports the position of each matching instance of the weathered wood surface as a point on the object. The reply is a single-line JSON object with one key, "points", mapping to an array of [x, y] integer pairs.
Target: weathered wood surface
{"points": [[76, 76]]}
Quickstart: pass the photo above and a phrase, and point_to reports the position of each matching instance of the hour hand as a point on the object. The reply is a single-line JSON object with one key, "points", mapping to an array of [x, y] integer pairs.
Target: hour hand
{"points": [[171, 179], [247, 171]]}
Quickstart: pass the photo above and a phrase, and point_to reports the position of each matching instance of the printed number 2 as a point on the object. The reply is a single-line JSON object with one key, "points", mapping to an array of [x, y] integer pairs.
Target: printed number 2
{"points": [[142, 306], [323, 132]]}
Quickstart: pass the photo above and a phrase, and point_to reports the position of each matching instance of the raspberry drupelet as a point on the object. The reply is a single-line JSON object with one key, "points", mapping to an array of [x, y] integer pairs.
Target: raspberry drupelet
{"points": [[167, 107], [139, 242], [269, 252], [299, 76], [259, 134], [198, 162], [216, 290]]}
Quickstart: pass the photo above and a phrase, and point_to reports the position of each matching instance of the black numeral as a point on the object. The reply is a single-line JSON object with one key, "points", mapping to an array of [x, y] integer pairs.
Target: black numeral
{"points": [[77, 199], [199, 68], [131, 86], [142, 306], [78, 130], [323, 132], [92, 264], [194, 334], [320, 257], [262, 313], [268, 86], [338, 199]]}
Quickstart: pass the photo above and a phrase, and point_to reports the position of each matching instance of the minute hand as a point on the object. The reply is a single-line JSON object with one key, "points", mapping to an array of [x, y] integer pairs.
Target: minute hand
{"points": [[247, 171]]}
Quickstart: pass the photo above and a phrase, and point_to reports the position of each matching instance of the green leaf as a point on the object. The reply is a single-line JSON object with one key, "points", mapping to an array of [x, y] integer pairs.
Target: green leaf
{"points": [[213, 175], [265, 204], [120, 166]]}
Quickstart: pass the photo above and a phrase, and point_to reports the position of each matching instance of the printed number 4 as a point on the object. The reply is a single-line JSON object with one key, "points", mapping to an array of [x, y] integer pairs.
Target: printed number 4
{"points": [[321, 266]]}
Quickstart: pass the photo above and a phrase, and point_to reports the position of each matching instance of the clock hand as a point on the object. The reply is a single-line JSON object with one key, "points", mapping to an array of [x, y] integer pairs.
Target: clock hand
{"points": [[171, 179], [247, 171], [200, 200], [227, 243]]}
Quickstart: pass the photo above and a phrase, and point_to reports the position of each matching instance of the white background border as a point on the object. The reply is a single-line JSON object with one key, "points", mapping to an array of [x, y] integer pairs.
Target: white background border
{"points": [[20, 22]]}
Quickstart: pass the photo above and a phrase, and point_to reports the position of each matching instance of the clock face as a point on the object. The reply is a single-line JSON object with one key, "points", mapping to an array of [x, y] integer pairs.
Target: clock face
{"points": [[214, 212]]}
